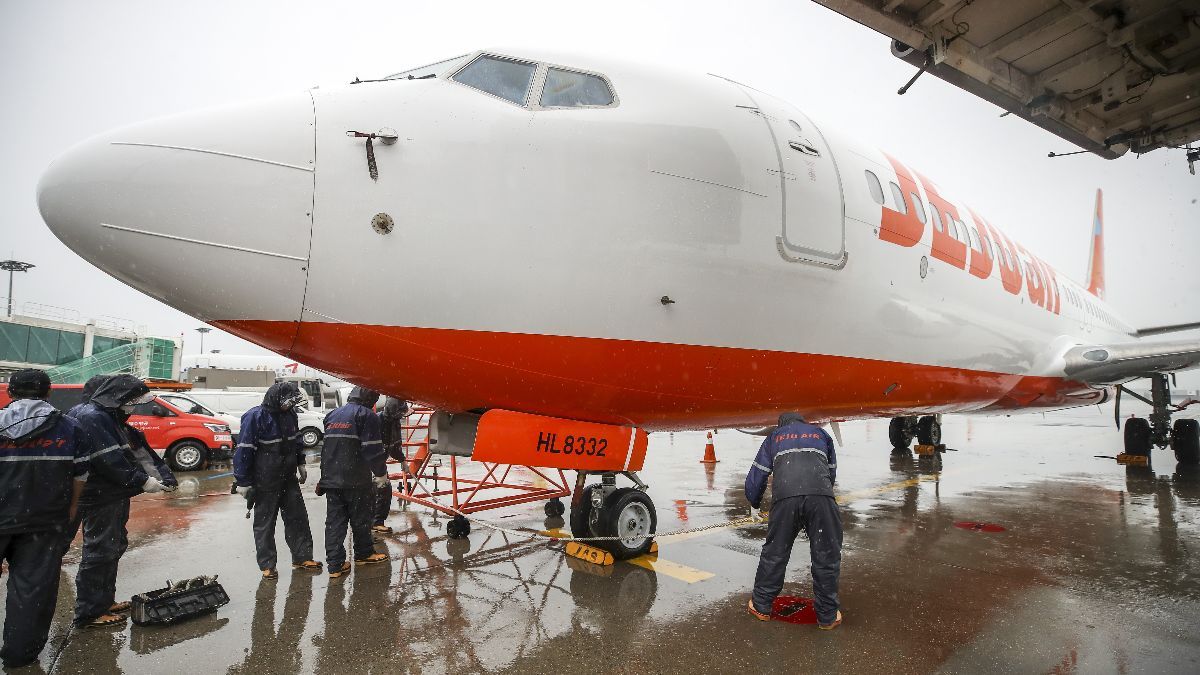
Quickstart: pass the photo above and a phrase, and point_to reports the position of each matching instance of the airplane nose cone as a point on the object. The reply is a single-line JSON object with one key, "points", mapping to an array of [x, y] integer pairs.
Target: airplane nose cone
{"points": [[210, 211]]}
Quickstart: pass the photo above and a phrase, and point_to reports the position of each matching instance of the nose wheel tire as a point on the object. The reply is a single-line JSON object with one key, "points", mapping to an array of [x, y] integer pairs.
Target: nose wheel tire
{"points": [[581, 513], [929, 431], [1137, 436], [627, 513], [187, 456], [458, 527], [1185, 438]]}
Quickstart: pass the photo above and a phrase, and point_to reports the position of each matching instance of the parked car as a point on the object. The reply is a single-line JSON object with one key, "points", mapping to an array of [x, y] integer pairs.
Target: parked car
{"points": [[229, 404], [186, 440]]}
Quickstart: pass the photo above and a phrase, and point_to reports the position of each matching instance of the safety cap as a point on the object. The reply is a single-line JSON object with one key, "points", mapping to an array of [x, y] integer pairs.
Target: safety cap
{"points": [[29, 383]]}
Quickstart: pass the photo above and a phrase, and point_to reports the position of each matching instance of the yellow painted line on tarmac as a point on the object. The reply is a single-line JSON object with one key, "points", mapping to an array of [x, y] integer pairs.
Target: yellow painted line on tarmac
{"points": [[881, 489], [672, 569]]}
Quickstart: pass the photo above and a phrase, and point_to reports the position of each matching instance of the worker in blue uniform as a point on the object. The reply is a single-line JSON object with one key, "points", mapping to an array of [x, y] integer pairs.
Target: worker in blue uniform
{"points": [[391, 429], [89, 390], [800, 460], [352, 470], [121, 466], [268, 468], [43, 470]]}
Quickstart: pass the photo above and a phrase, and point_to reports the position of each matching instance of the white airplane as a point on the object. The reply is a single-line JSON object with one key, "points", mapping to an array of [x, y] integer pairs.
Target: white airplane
{"points": [[589, 249]]}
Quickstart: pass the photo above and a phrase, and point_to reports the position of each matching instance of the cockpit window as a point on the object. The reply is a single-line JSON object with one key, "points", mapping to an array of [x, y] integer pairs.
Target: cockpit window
{"points": [[430, 70], [507, 78], [567, 89]]}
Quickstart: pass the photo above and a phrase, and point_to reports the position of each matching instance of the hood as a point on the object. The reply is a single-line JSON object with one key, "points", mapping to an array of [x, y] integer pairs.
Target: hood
{"points": [[90, 387], [395, 408], [27, 417], [790, 417], [277, 394], [364, 397], [118, 389]]}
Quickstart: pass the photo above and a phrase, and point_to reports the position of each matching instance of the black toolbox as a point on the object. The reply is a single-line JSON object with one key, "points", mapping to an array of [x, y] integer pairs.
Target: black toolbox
{"points": [[178, 601]]}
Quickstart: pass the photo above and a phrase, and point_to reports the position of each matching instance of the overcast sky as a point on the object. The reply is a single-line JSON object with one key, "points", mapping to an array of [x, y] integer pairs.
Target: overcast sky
{"points": [[71, 69]]}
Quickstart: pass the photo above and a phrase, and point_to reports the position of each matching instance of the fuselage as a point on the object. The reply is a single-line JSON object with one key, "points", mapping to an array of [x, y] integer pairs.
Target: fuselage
{"points": [[694, 253]]}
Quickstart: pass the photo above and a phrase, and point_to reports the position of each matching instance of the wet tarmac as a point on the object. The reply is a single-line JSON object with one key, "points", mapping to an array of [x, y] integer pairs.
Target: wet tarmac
{"points": [[1097, 570]]}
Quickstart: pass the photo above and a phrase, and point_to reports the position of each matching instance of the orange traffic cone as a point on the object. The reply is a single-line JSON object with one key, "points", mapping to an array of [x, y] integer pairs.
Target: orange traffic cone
{"points": [[710, 453]]}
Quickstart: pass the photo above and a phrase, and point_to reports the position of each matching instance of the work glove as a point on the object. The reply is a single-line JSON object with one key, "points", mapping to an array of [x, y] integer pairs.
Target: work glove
{"points": [[246, 491], [381, 482], [170, 487], [301, 472], [152, 484]]}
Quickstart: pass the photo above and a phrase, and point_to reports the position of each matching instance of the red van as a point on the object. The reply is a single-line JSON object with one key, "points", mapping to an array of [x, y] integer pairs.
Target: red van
{"points": [[186, 441]]}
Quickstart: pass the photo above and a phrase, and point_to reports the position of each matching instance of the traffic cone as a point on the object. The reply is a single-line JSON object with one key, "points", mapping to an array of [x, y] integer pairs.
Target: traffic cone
{"points": [[710, 453]]}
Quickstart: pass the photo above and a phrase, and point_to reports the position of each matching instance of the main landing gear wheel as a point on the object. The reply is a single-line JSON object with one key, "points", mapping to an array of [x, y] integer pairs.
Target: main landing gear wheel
{"points": [[555, 508], [458, 527], [900, 433], [929, 430], [1137, 436], [1185, 438], [627, 513]]}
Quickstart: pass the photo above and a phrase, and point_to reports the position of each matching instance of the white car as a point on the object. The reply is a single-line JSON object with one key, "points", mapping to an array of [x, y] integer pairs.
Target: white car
{"points": [[230, 405]]}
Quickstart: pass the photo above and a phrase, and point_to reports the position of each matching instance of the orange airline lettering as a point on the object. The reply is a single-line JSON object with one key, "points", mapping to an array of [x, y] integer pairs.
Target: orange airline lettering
{"points": [[1010, 276], [981, 260], [944, 247], [902, 228]]}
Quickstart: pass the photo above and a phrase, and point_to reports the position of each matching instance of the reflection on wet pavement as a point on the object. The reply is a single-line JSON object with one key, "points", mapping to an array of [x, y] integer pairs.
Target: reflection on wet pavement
{"points": [[1095, 571]]}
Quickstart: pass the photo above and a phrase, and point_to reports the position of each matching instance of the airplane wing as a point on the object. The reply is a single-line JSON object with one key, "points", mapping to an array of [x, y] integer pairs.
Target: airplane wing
{"points": [[1115, 364], [1109, 77]]}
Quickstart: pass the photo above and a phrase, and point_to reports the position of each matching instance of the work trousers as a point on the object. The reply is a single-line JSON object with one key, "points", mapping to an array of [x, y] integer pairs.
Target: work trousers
{"points": [[104, 542], [34, 559], [283, 498], [819, 517], [383, 504], [351, 507]]}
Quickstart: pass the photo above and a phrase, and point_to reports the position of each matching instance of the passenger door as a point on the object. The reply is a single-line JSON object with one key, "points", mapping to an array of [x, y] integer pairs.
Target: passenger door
{"points": [[812, 227]]}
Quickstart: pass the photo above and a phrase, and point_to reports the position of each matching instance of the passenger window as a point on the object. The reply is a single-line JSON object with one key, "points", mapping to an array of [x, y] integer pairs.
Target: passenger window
{"points": [[505, 78], [937, 219], [975, 243], [920, 207], [566, 89], [875, 187], [899, 197]]}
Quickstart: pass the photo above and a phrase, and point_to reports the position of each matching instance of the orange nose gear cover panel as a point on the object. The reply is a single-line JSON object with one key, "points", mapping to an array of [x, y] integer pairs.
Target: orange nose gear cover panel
{"points": [[534, 440]]}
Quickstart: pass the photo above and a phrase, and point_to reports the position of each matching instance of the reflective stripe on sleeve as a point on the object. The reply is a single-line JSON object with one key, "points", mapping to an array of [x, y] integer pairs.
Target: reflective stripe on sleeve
{"points": [[760, 467], [36, 458], [101, 452]]}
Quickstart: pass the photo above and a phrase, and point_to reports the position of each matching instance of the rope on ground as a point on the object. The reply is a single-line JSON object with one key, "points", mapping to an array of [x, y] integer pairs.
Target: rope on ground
{"points": [[752, 519]]}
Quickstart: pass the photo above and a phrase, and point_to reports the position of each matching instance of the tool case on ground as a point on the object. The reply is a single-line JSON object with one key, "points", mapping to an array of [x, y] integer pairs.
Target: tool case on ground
{"points": [[180, 600]]}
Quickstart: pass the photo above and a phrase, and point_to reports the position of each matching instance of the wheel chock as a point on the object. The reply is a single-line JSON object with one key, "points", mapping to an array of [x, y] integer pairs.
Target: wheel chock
{"points": [[653, 548], [591, 554], [929, 450], [1127, 459]]}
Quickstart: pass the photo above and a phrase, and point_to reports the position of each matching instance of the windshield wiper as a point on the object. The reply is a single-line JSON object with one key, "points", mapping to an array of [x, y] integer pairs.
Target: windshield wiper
{"points": [[394, 79]]}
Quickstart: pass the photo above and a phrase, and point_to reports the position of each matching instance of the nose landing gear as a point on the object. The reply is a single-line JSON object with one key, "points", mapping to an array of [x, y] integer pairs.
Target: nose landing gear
{"points": [[604, 510]]}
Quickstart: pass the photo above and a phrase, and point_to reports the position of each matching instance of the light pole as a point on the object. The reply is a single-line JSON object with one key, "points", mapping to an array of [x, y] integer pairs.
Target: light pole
{"points": [[203, 330], [11, 266]]}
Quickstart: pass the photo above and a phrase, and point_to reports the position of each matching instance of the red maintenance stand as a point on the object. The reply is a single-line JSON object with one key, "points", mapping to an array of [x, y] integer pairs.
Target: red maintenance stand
{"points": [[468, 486]]}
